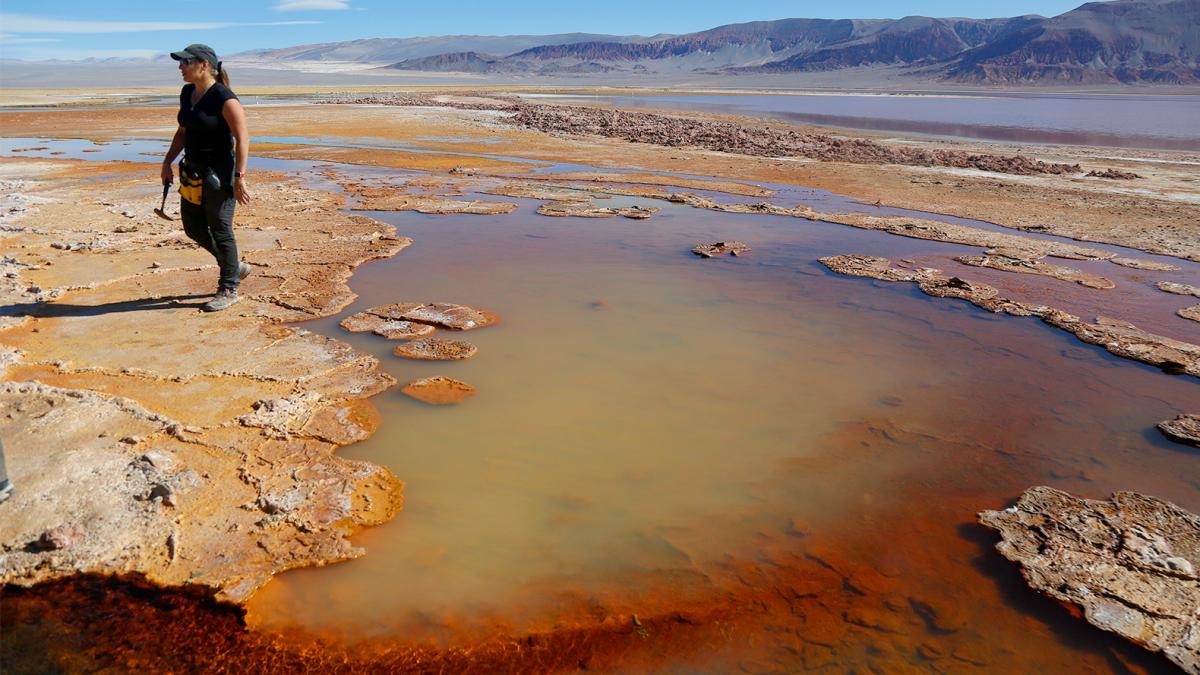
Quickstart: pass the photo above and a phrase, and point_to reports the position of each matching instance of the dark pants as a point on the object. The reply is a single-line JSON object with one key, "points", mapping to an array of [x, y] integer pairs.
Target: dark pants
{"points": [[211, 225]]}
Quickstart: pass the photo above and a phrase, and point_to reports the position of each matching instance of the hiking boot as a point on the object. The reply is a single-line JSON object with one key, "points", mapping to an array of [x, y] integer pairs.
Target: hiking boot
{"points": [[244, 270], [224, 299]]}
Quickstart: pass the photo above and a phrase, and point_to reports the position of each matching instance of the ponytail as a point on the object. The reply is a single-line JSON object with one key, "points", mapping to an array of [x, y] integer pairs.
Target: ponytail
{"points": [[222, 75]]}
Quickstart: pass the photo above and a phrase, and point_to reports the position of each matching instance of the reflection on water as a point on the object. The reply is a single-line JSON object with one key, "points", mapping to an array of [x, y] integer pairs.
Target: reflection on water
{"points": [[655, 432], [1073, 119]]}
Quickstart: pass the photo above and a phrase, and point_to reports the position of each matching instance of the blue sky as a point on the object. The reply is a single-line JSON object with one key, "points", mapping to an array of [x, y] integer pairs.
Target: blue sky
{"points": [[74, 29]]}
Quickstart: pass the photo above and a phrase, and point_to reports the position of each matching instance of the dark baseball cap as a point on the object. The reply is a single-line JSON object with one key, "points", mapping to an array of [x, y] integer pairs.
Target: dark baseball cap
{"points": [[197, 52]]}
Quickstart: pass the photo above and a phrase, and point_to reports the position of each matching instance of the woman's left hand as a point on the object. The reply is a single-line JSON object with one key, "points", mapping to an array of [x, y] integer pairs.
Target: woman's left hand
{"points": [[241, 190]]}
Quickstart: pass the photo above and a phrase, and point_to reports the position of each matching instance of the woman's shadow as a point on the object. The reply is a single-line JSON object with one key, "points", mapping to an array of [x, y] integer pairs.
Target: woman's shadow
{"points": [[50, 309]]}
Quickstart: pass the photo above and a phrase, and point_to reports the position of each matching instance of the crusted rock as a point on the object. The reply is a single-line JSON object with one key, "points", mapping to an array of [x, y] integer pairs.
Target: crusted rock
{"points": [[734, 248], [437, 349], [1129, 563], [387, 318], [586, 209], [362, 322], [1192, 312], [447, 315], [162, 493], [403, 330], [1139, 264], [1182, 429], [158, 459], [439, 390], [1125, 339], [549, 193], [343, 423], [58, 538], [282, 415], [1027, 265], [1178, 289], [1114, 174]]}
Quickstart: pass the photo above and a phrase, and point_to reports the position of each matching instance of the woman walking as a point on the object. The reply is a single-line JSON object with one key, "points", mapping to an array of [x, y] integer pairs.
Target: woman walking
{"points": [[212, 176]]}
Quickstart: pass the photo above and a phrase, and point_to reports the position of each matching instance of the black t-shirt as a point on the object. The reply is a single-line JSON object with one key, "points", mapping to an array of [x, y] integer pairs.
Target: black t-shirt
{"points": [[208, 141]]}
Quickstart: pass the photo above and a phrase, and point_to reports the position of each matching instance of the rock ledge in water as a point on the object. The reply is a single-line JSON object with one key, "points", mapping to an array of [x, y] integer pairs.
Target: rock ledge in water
{"points": [[1025, 264], [387, 320], [586, 209], [734, 248], [1178, 289], [1182, 429], [1129, 563], [437, 349], [439, 390], [1118, 337], [1138, 264]]}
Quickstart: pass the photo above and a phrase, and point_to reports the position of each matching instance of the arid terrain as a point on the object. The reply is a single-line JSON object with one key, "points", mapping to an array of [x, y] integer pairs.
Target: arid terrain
{"points": [[198, 453]]}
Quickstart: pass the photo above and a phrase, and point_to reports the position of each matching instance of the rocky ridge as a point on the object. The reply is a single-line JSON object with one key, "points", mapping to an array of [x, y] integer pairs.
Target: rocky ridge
{"points": [[1125, 41], [760, 141]]}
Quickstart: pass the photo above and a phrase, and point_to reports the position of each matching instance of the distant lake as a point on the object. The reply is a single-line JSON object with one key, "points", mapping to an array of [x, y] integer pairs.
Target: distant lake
{"points": [[1134, 121]]}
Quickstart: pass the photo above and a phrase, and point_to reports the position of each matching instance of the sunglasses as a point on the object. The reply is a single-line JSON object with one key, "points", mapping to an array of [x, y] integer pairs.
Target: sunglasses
{"points": [[187, 62]]}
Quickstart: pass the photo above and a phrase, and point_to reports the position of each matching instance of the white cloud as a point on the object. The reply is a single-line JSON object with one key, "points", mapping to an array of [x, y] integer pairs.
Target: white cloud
{"points": [[302, 5], [17, 23], [57, 54], [10, 39]]}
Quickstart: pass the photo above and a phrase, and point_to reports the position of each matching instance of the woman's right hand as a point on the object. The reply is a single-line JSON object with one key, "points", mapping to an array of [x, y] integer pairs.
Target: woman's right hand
{"points": [[168, 174]]}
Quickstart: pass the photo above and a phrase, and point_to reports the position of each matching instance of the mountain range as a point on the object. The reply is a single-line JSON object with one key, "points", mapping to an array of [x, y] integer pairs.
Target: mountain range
{"points": [[1123, 41]]}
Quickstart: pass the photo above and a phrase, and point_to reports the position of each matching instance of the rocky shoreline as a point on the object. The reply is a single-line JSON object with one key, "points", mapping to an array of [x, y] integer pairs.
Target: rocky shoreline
{"points": [[146, 437]]}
